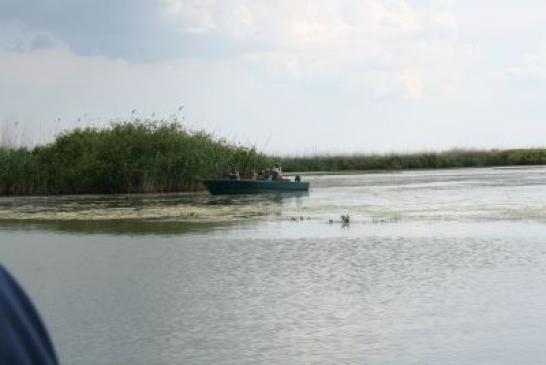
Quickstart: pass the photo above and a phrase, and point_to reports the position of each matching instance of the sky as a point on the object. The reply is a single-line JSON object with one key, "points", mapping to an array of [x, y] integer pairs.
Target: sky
{"points": [[287, 76]]}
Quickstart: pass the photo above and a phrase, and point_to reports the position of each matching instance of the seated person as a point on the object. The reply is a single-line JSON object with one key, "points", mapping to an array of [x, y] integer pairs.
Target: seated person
{"points": [[234, 174], [277, 172]]}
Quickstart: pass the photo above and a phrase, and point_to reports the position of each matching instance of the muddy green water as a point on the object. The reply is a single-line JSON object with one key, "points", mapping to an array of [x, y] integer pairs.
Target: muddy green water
{"points": [[436, 267]]}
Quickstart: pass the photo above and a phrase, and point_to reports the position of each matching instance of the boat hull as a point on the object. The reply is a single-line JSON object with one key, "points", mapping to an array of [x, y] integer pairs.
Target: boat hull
{"points": [[218, 187]]}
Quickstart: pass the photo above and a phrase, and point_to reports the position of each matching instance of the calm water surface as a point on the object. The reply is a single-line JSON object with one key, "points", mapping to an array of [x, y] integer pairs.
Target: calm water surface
{"points": [[436, 267]]}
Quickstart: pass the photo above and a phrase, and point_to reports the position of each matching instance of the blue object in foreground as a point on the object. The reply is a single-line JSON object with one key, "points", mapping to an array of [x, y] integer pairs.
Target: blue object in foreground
{"points": [[23, 337]]}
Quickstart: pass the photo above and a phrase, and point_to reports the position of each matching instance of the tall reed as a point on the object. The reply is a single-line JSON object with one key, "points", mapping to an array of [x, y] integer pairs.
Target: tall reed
{"points": [[127, 157]]}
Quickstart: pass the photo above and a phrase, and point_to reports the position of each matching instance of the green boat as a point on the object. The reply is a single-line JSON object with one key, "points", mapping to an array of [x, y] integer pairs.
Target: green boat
{"points": [[218, 187]]}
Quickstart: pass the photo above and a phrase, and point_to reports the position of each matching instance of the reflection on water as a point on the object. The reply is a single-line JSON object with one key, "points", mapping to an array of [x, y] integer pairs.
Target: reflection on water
{"points": [[436, 267], [113, 227]]}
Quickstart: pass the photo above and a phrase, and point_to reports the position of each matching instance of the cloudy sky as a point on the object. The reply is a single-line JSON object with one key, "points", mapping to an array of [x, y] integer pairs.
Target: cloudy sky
{"points": [[288, 76]]}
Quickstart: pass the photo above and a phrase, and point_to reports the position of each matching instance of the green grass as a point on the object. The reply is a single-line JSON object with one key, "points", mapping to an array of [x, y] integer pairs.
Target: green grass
{"points": [[133, 157]]}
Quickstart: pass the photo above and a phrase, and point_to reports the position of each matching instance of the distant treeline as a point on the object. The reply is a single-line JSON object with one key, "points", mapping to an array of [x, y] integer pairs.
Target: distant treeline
{"points": [[127, 157], [448, 159]]}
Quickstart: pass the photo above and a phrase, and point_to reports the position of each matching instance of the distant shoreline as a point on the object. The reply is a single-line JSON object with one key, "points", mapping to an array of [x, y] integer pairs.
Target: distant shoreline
{"points": [[509, 158], [381, 171]]}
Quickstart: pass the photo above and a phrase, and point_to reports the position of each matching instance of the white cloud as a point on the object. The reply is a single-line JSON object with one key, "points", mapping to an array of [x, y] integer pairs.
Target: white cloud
{"points": [[15, 36], [384, 44], [297, 23], [407, 84], [533, 66]]}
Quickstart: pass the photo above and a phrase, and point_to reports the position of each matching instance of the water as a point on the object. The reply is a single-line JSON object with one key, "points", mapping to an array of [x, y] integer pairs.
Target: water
{"points": [[436, 267]]}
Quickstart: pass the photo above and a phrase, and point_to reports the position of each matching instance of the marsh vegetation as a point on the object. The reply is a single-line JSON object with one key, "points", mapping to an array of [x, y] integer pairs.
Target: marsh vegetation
{"points": [[126, 157], [426, 160], [162, 156]]}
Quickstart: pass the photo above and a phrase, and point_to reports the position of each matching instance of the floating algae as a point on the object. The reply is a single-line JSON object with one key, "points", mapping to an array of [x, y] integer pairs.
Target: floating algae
{"points": [[167, 207]]}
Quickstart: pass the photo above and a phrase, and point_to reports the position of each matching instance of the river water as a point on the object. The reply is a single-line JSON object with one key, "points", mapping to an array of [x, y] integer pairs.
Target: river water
{"points": [[436, 267]]}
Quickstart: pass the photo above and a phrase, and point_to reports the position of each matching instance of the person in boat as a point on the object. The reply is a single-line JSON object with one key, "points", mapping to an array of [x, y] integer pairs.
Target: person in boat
{"points": [[234, 174], [277, 172], [297, 178], [268, 174]]}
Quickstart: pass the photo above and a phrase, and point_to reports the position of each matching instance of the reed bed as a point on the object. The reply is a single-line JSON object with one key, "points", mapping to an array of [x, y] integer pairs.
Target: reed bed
{"points": [[449, 159], [126, 157]]}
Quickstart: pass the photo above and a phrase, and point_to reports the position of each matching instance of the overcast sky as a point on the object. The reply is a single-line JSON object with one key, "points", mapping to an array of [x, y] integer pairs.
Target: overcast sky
{"points": [[288, 76]]}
